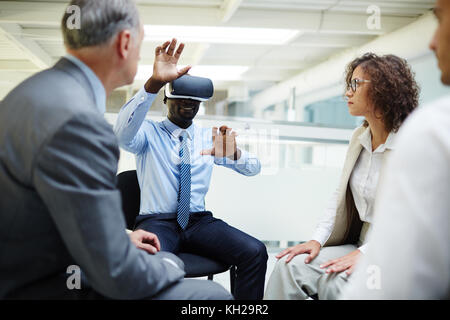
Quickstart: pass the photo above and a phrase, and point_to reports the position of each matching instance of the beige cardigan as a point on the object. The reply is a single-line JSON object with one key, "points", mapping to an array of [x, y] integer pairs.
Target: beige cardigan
{"points": [[346, 209]]}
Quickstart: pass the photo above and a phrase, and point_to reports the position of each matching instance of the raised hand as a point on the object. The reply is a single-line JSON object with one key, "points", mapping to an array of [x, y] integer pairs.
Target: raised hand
{"points": [[224, 144], [165, 66]]}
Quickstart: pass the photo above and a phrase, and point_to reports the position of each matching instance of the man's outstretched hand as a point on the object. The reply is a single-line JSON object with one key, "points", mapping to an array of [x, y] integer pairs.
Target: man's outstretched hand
{"points": [[165, 66], [224, 144]]}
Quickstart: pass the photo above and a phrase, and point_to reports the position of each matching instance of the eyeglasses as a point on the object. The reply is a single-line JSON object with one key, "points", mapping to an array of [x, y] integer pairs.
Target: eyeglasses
{"points": [[354, 84]]}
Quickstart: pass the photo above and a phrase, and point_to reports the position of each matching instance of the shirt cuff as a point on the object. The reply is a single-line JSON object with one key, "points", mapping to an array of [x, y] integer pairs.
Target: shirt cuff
{"points": [[320, 236], [242, 160], [143, 95], [363, 248]]}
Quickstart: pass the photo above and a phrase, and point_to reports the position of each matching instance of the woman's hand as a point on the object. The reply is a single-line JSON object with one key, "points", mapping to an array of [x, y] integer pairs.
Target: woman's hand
{"points": [[312, 247], [346, 262]]}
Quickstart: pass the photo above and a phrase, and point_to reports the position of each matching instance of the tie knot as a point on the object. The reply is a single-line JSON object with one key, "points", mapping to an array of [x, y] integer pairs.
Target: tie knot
{"points": [[183, 136]]}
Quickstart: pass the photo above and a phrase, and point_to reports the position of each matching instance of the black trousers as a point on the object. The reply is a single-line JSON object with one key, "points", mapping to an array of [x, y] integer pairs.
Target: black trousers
{"points": [[213, 238]]}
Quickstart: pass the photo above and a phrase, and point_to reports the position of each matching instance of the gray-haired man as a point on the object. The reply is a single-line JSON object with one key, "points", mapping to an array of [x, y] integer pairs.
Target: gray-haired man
{"points": [[59, 205]]}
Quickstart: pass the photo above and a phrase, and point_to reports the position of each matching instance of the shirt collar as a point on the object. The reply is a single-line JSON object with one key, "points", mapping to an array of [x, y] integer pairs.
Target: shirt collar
{"points": [[94, 81], [176, 131], [366, 141]]}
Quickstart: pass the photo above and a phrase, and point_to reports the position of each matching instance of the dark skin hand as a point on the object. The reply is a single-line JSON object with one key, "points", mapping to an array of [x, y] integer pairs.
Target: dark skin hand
{"points": [[165, 66], [224, 144], [183, 111]]}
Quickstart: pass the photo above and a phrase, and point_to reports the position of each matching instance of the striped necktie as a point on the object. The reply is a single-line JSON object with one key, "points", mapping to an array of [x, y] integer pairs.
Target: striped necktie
{"points": [[184, 191]]}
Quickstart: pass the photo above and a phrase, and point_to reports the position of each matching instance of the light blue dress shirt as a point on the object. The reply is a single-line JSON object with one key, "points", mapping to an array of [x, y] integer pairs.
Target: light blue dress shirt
{"points": [[94, 81], [156, 146]]}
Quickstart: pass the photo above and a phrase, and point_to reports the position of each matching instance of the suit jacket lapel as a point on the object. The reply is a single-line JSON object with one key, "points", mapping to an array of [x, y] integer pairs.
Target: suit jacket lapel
{"points": [[353, 152]]}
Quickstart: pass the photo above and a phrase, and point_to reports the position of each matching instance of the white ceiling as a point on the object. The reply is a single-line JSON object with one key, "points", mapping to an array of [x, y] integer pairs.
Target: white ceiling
{"points": [[30, 38]]}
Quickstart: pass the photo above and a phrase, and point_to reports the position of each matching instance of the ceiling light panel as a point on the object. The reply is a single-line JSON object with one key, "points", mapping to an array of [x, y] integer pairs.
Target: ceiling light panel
{"points": [[216, 73], [203, 34]]}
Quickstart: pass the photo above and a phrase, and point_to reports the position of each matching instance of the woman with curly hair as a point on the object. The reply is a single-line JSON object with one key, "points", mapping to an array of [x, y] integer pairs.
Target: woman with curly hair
{"points": [[382, 89]]}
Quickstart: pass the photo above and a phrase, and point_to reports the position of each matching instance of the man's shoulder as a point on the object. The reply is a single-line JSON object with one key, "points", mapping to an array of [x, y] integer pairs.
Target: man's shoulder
{"points": [[49, 97], [426, 132], [431, 117], [40, 107]]}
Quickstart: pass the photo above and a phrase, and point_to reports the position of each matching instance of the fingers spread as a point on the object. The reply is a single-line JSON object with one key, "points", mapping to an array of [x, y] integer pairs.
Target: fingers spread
{"points": [[165, 45], [214, 133], [184, 70], [349, 271], [223, 130], [338, 267], [290, 257], [309, 258], [327, 264], [172, 46], [282, 253], [209, 152], [179, 51]]}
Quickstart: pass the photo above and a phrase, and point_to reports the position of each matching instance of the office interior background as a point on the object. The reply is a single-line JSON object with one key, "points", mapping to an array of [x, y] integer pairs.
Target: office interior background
{"points": [[278, 71]]}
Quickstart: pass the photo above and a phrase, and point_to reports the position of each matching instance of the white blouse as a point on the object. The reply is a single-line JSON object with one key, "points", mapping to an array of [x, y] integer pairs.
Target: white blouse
{"points": [[363, 184]]}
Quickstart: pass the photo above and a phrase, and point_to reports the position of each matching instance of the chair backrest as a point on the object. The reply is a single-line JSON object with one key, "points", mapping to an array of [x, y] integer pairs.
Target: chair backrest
{"points": [[128, 185]]}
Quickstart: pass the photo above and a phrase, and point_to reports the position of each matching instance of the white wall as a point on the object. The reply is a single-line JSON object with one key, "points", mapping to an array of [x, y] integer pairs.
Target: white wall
{"points": [[285, 206]]}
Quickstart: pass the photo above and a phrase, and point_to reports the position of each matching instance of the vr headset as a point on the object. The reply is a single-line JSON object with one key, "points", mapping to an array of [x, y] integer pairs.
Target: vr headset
{"points": [[190, 87]]}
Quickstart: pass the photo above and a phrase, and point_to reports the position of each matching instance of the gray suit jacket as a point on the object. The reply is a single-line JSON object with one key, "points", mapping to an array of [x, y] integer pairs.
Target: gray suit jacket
{"points": [[58, 200]]}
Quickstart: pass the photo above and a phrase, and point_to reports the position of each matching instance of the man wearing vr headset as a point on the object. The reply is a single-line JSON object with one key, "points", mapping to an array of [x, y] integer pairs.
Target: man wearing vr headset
{"points": [[174, 161]]}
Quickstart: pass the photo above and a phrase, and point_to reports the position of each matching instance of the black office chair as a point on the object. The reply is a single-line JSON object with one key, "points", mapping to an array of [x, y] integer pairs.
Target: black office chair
{"points": [[195, 265]]}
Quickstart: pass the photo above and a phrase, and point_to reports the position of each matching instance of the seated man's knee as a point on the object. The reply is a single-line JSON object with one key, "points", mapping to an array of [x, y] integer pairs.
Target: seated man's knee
{"points": [[257, 251]]}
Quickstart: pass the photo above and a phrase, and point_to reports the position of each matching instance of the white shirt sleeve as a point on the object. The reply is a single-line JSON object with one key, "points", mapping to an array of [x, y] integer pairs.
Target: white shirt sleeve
{"points": [[363, 248], [325, 226], [247, 164], [127, 128], [409, 254]]}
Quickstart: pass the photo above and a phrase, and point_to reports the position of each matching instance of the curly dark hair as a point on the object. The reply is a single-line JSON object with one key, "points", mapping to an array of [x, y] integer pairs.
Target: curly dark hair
{"points": [[393, 89]]}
